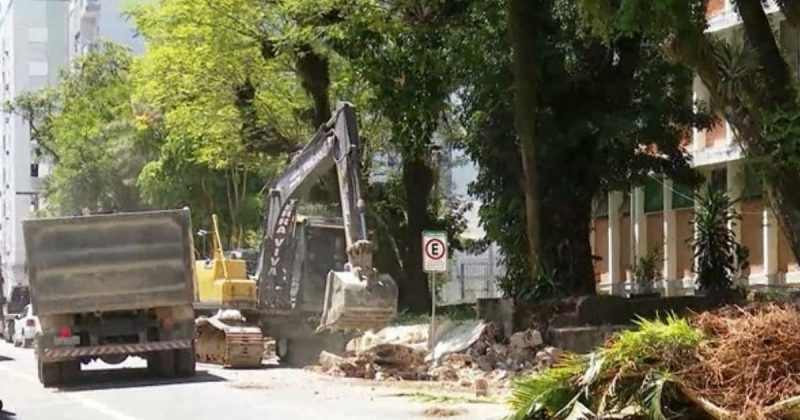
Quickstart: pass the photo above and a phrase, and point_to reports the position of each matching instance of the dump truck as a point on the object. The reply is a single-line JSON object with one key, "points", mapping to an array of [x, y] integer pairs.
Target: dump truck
{"points": [[111, 286]]}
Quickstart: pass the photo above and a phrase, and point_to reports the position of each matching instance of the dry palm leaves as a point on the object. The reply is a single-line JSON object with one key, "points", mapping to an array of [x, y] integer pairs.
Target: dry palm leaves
{"points": [[750, 361]]}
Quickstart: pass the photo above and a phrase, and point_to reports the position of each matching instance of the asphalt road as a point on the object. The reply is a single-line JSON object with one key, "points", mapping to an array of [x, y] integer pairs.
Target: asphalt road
{"points": [[125, 392]]}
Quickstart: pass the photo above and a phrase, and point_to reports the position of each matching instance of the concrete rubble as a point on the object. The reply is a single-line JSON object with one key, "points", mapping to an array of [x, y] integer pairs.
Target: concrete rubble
{"points": [[472, 354]]}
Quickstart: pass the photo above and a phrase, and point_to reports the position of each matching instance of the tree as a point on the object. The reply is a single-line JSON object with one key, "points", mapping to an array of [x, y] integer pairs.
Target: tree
{"points": [[603, 116], [750, 82], [525, 29], [714, 246], [400, 51], [85, 125], [230, 117]]}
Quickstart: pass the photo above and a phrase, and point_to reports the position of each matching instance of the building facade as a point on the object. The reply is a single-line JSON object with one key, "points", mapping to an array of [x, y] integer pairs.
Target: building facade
{"points": [[657, 216], [91, 20], [38, 38], [34, 48]]}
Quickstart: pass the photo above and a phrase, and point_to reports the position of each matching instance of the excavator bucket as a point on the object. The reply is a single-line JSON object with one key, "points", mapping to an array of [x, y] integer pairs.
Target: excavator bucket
{"points": [[353, 305], [232, 346]]}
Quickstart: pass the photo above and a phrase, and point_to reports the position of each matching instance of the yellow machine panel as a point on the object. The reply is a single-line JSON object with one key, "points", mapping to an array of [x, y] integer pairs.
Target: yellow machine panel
{"points": [[235, 291]]}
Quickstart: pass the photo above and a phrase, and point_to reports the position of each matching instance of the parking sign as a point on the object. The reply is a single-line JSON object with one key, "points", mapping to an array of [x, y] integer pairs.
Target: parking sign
{"points": [[434, 251]]}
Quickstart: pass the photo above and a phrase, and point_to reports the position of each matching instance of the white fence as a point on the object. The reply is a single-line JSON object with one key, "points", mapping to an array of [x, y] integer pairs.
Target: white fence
{"points": [[471, 277]]}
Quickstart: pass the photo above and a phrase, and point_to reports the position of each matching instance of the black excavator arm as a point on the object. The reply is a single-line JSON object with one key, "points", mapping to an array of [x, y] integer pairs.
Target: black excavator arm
{"points": [[358, 298]]}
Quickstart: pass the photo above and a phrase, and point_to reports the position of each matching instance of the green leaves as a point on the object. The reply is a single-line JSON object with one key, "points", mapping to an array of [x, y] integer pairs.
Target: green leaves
{"points": [[630, 374], [714, 245], [86, 125]]}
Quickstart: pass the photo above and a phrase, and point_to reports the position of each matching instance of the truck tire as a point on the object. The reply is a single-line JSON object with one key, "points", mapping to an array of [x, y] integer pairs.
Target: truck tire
{"points": [[70, 371], [8, 334], [49, 374], [162, 363], [185, 362]]}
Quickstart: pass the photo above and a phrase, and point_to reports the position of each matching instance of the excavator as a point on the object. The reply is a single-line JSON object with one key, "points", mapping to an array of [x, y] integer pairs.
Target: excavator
{"points": [[225, 299], [309, 269]]}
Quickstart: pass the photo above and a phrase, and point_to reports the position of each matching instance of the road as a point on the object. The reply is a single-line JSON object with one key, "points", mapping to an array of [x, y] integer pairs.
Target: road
{"points": [[124, 392]]}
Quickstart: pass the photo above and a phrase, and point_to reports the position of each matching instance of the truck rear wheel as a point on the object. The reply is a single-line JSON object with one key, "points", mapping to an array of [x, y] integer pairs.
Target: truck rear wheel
{"points": [[70, 371], [185, 362], [162, 363], [49, 374]]}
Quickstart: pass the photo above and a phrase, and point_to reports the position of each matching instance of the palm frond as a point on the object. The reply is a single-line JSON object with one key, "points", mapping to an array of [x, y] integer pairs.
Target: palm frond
{"points": [[652, 394]]}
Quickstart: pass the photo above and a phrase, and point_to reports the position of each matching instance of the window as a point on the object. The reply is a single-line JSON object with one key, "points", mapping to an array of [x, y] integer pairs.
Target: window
{"points": [[37, 35], [35, 170], [653, 196], [38, 68], [601, 205], [753, 187], [681, 196], [719, 179]]}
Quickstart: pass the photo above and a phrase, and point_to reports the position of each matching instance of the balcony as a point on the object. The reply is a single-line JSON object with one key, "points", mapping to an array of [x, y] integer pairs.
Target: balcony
{"points": [[89, 8], [718, 154]]}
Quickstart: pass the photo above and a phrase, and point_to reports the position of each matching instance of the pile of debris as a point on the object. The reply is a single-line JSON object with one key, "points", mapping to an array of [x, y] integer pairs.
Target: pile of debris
{"points": [[384, 361], [749, 365], [465, 353]]}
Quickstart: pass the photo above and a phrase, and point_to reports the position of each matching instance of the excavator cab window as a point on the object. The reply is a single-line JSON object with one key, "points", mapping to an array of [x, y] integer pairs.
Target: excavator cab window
{"points": [[323, 245]]}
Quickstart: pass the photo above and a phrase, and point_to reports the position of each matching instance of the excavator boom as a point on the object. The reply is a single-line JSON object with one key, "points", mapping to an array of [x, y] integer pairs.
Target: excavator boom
{"points": [[357, 298]]}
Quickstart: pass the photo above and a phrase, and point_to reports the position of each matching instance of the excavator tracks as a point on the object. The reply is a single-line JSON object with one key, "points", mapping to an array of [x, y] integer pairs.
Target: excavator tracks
{"points": [[231, 346]]}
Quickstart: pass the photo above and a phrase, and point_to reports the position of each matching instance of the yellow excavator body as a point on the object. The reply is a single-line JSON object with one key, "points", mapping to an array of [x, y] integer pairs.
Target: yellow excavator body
{"points": [[226, 338], [235, 290]]}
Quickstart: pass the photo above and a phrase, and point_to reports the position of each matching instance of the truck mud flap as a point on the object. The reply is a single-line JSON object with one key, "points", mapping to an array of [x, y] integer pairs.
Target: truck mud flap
{"points": [[73, 352]]}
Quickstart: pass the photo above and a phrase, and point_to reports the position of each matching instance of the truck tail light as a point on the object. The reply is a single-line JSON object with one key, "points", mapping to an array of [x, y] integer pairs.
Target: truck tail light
{"points": [[30, 322], [65, 332], [166, 323]]}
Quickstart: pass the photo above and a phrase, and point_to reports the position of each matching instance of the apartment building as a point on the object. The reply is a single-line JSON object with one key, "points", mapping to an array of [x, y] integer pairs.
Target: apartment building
{"points": [[33, 45], [657, 216], [38, 38], [91, 20]]}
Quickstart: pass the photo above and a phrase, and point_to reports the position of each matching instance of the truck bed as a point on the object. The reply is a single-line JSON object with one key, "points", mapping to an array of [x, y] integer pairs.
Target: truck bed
{"points": [[110, 262]]}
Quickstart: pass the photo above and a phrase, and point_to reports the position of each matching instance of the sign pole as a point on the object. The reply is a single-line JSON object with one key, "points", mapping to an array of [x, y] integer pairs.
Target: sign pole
{"points": [[434, 260], [432, 334]]}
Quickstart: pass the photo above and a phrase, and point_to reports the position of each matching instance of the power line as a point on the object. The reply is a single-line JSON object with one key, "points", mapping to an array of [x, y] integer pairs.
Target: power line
{"points": [[691, 198]]}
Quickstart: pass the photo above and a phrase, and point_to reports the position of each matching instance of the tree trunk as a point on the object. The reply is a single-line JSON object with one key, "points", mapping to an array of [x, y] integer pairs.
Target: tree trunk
{"points": [[774, 67], [315, 77], [779, 95], [566, 221], [523, 31], [418, 179]]}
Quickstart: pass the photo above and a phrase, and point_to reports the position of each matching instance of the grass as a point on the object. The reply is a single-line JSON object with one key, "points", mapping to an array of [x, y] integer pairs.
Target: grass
{"points": [[427, 397]]}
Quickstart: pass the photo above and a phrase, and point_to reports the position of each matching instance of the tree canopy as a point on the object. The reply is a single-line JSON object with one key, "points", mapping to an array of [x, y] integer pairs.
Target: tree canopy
{"points": [[556, 101]]}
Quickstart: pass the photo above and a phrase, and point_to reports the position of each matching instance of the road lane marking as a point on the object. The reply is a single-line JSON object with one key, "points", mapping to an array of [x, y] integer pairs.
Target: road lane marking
{"points": [[102, 408], [86, 402]]}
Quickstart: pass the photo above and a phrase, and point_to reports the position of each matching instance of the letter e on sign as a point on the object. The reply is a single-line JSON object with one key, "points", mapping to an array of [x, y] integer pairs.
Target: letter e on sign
{"points": [[434, 251]]}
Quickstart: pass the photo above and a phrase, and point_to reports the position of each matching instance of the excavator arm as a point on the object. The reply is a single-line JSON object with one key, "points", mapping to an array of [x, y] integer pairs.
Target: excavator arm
{"points": [[358, 298]]}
